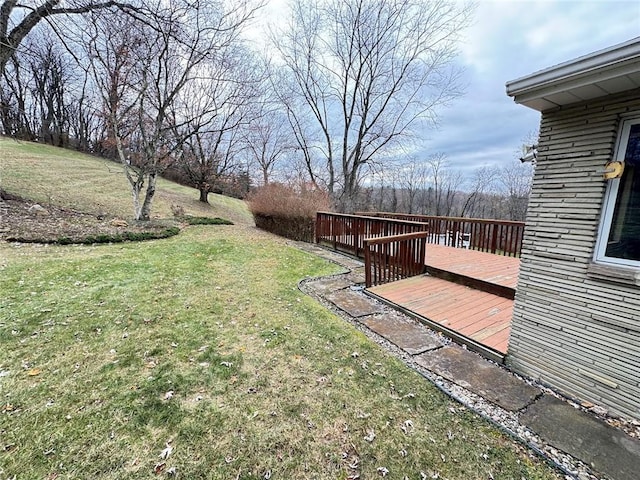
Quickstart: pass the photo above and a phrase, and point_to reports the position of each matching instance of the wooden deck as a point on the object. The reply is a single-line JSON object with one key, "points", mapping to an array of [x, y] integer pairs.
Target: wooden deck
{"points": [[478, 315], [494, 269]]}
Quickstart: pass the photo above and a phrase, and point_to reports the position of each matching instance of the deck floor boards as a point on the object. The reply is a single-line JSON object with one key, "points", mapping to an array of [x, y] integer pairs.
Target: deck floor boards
{"points": [[483, 317], [491, 268]]}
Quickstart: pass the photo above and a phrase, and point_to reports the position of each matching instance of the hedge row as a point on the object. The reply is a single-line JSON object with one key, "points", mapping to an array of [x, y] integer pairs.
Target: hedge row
{"points": [[295, 228], [103, 238], [206, 221], [288, 211]]}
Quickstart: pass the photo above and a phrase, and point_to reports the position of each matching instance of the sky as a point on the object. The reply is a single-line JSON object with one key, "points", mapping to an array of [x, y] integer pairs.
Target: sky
{"points": [[509, 39]]}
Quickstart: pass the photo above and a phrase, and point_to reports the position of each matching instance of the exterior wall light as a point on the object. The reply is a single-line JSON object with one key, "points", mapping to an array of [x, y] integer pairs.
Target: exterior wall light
{"points": [[613, 170], [529, 154]]}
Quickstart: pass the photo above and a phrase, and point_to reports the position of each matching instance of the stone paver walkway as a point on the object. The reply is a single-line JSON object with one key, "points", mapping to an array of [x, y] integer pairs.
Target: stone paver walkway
{"points": [[605, 448], [585, 437], [483, 378]]}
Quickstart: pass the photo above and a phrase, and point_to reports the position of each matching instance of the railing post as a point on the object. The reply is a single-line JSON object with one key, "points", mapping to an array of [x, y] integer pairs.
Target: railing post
{"points": [[318, 216], [494, 238], [356, 237], [367, 264]]}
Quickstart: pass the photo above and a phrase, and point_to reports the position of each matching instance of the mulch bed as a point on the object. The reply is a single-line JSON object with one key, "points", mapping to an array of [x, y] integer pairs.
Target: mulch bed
{"points": [[22, 221]]}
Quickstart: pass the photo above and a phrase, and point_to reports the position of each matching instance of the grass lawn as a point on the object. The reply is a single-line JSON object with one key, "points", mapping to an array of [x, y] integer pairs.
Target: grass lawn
{"points": [[203, 342], [197, 357], [65, 178]]}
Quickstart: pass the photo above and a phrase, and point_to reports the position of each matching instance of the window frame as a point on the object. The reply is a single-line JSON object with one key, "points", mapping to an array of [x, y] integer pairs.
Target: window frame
{"points": [[609, 203]]}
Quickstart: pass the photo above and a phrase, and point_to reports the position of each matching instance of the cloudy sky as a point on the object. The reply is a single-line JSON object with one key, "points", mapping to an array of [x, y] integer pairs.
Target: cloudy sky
{"points": [[510, 39], [507, 40]]}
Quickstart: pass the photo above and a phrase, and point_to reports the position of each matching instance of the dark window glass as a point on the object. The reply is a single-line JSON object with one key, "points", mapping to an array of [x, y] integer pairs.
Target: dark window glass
{"points": [[632, 154], [624, 236]]}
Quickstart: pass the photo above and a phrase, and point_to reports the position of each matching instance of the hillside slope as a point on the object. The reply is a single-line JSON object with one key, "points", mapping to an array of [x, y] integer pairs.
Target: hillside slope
{"points": [[57, 177]]}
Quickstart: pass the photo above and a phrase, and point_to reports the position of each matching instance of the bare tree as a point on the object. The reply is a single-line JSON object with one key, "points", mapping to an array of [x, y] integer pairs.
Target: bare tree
{"points": [[368, 72], [268, 140], [17, 20], [15, 101], [52, 78], [38, 89], [413, 180], [483, 182], [145, 73], [220, 106], [515, 182], [445, 185], [85, 121]]}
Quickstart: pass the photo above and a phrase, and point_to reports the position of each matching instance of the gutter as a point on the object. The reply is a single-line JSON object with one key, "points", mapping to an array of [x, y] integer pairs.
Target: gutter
{"points": [[598, 64]]}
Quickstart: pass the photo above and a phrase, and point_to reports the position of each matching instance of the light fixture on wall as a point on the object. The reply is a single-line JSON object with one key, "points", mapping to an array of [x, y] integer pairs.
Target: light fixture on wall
{"points": [[529, 154], [613, 170]]}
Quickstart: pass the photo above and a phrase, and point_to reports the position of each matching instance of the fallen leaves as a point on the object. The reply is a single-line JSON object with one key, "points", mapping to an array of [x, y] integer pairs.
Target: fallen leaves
{"points": [[151, 364], [382, 471], [34, 372], [371, 435], [166, 452], [407, 427], [161, 466]]}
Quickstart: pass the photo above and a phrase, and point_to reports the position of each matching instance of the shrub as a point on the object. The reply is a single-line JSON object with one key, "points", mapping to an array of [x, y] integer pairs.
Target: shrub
{"points": [[287, 211], [206, 220], [103, 237], [131, 236]]}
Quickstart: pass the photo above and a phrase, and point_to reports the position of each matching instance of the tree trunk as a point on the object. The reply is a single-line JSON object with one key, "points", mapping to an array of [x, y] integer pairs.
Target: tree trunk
{"points": [[145, 211], [204, 195]]}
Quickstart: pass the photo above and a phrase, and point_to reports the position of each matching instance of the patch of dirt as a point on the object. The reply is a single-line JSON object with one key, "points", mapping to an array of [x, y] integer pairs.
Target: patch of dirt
{"points": [[22, 220]]}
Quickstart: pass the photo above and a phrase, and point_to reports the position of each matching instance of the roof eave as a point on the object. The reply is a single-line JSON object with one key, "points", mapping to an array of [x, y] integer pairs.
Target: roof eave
{"points": [[608, 64]]}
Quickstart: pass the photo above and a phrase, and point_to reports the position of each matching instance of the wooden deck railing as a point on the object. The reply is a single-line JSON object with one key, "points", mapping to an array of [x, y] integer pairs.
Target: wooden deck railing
{"points": [[392, 258], [347, 233], [495, 236]]}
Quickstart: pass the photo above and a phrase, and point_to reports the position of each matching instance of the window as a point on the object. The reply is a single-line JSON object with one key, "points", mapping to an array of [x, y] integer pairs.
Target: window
{"points": [[619, 239]]}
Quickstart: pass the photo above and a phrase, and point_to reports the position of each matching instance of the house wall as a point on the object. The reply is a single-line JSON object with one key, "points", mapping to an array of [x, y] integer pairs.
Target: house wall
{"points": [[576, 325]]}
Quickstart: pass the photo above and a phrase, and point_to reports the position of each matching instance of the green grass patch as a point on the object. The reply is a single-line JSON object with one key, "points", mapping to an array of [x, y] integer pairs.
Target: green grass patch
{"points": [[203, 344]]}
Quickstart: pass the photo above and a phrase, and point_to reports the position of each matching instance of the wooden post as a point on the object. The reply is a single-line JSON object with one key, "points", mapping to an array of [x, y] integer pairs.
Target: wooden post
{"points": [[356, 238], [367, 264], [494, 239], [318, 220]]}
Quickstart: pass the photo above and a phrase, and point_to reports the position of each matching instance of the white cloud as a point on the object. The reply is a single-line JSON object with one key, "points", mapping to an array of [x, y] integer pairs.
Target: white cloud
{"points": [[511, 39]]}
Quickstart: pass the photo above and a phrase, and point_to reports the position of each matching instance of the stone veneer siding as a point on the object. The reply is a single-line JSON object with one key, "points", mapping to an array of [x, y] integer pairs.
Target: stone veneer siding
{"points": [[576, 325]]}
